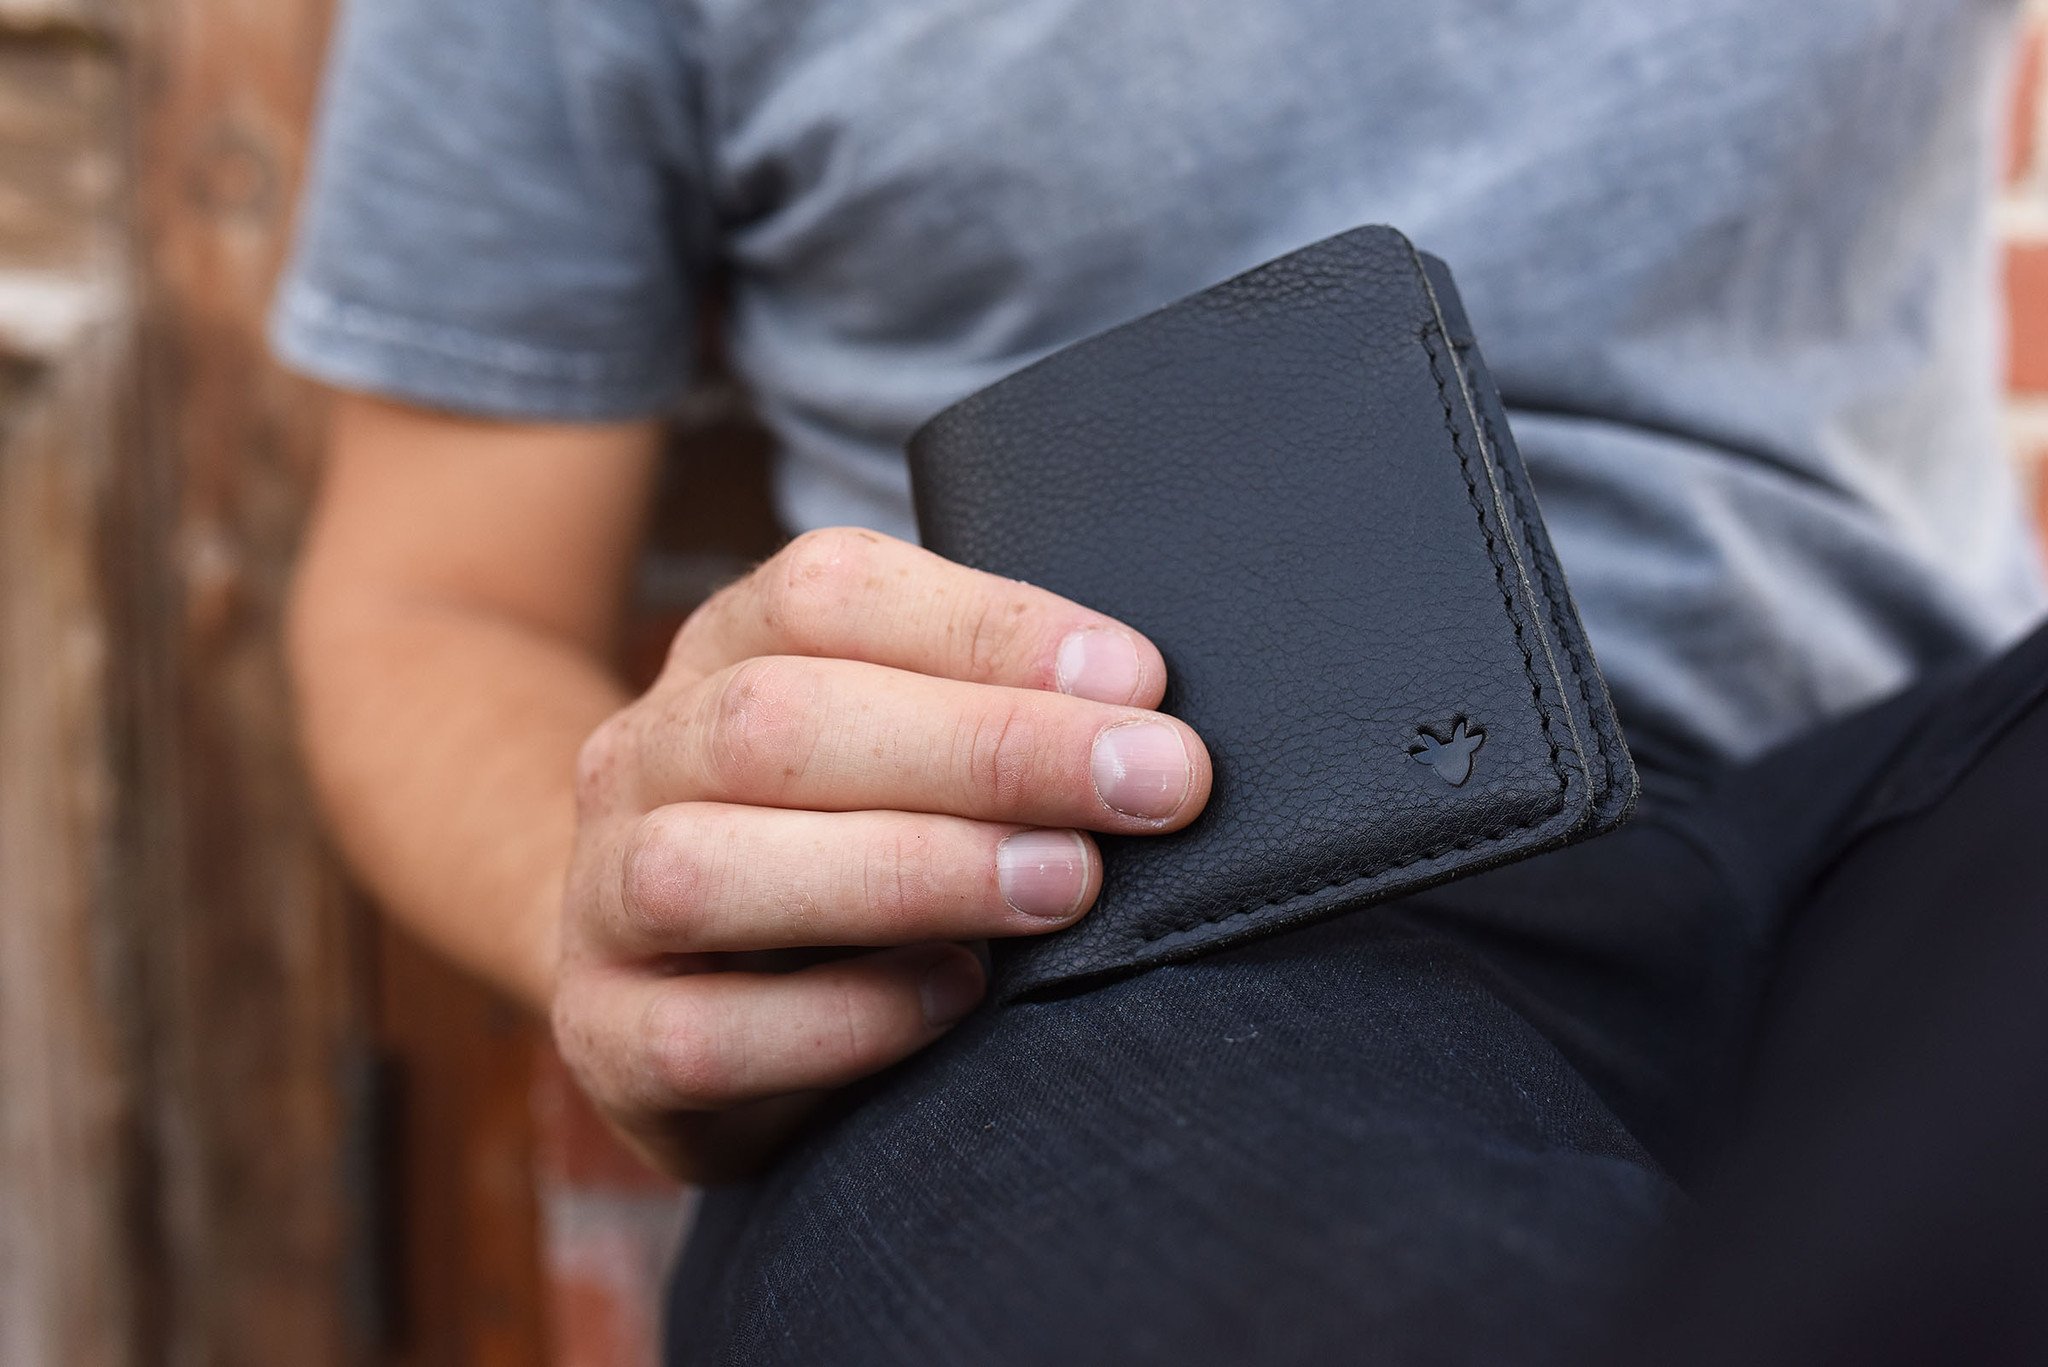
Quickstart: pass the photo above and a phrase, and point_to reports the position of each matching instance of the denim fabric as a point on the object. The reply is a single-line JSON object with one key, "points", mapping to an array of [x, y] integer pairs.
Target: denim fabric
{"points": [[1463, 1128], [1731, 260], [1323, 1149], [1885, 1203]]}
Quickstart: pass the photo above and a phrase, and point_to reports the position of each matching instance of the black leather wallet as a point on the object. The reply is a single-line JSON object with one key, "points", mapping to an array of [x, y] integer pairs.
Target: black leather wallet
{"points": [[1300, 485]]}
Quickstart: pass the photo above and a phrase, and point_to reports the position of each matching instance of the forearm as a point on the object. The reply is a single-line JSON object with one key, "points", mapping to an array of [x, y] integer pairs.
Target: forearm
{"points": [[449, 634], [442, 743]]}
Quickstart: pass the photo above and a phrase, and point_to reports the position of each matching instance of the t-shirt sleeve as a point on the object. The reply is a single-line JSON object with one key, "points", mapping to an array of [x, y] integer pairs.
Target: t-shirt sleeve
{"points": [[505, 216]]}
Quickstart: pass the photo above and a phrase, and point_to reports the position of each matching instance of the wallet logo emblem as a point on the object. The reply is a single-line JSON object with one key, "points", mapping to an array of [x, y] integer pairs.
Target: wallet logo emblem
{"points": [[1452, 758]]}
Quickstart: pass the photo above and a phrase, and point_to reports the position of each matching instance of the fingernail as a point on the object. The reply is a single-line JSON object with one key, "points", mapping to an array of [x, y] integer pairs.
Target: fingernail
{"points": [[1141, 768], [1099, 663], [1043, 873], [951, 989]]}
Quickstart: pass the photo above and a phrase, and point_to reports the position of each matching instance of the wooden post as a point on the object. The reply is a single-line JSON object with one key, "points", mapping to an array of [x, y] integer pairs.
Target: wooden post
{"points": [[247, 936], [73, 1187], [181, 998]]}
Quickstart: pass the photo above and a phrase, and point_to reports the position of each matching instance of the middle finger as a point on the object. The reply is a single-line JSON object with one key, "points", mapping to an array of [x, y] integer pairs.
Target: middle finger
{"points": [[840, 735]]}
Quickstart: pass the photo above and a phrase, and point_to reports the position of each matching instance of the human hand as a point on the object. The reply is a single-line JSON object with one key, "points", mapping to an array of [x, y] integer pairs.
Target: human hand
{"points": [[858, 745]]}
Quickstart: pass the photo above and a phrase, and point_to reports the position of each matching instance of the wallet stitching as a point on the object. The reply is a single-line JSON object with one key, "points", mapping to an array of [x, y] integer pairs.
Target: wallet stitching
{"points": [[1472, 842], [1500, 576], [1565, 636]]}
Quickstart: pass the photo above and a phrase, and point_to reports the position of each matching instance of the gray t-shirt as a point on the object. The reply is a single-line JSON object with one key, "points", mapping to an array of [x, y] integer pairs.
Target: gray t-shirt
{"points": [[1731, 260]]}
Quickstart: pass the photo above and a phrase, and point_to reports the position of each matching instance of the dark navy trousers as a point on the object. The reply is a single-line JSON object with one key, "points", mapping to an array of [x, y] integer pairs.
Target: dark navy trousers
{"points": [[1761, 1078]]}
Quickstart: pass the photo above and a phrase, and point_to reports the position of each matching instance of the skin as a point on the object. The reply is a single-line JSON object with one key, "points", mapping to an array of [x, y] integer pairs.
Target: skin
{"points": [[834, 756]]}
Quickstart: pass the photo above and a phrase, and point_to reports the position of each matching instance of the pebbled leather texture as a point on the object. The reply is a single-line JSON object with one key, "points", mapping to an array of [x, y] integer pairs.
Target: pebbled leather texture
{"points": [[1300, 485]]}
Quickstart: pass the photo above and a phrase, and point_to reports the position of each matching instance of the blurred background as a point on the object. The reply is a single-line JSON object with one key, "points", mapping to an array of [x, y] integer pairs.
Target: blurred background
{"points": [[241, 1121]]}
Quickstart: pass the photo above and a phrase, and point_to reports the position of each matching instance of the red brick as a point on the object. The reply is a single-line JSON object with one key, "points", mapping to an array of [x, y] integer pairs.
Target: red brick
{"points": [[2037, 475], [596, 1327], [2024, 129], [604, 1263], [2026, 298], [574, 1147]]}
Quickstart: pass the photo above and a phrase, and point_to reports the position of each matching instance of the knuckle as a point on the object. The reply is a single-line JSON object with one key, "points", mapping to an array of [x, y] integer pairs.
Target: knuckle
{"points": [[847, 1037], [813, 578], [761, 730], [693, 1061], [582, 1043], [1001, 759], [683, 644], [900, 877], [988, 625], [565, 1023], [698, 1072], [662, 881], [601, 763]]}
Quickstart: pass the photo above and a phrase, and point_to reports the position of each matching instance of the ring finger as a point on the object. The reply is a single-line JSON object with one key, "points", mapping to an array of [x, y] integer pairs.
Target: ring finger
{"points": [[711, 877]]}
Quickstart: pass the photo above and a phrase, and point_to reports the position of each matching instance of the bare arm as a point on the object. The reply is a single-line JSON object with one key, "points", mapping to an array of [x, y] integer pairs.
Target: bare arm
{"points": [[449, 635]]}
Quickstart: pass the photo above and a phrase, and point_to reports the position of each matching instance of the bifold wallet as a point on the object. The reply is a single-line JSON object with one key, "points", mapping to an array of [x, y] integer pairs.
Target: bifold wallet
{"points": [[1300, 485]]}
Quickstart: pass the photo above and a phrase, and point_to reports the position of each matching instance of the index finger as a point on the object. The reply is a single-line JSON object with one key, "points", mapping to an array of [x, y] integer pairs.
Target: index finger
{"points": [[851, 594]]}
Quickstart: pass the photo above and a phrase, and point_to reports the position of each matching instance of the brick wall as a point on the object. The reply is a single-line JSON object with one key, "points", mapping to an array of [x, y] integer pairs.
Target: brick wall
{"points": [[611, 1227], [2024, 220]]}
